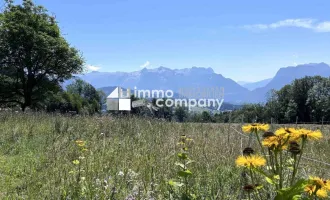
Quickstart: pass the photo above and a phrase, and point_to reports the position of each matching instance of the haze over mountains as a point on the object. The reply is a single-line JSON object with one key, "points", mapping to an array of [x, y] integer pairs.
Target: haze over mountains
{"points": [[254, 85], [163, 78]]}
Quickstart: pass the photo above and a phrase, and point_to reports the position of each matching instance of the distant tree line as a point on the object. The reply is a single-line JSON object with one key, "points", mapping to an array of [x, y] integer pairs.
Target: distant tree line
{"points": [[305, 100]]}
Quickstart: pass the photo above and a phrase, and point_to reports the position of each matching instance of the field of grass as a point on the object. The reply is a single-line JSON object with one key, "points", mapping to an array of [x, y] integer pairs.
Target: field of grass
{"points": [[124, 158]]}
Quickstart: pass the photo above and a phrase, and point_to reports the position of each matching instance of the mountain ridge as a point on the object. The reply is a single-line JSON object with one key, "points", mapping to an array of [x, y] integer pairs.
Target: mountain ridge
{"points": [[163, 78]]}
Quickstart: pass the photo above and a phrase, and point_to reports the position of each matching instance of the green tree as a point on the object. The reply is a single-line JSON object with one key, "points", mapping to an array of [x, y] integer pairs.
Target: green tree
{"points": [[91, 98], [180, 113], [319, 100], [34, 57], [206, 117], [163, 110]]}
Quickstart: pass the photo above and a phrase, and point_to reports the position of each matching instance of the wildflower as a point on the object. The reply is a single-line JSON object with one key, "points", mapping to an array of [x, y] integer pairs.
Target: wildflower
{"points": [[76, 162], [248, 151], [327, 185], [255, 127], [307, 134], [131, 173], [321, 193], [80, 143], [98, 182], [275, 142], [120, 173], [318, 185], [318, 182], [250, 161], [279, 139], [285, 132]]}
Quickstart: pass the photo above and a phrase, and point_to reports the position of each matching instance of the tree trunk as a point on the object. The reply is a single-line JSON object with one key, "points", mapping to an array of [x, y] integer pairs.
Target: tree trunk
{"points": [[23, 107]]}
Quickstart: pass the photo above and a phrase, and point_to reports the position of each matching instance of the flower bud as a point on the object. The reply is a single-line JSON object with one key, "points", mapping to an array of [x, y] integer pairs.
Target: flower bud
{"points": [[248, 151], [268, 134]]}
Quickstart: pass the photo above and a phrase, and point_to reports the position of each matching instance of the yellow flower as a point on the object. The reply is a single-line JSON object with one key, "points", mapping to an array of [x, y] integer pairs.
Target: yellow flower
{"points": [[318, 182], [327, 185], [76, 162], [271, 141], [250, 161], [80, 143], [285, 132], [309, 189], [279, 140], [319, 185], [255, 127], [307, 134], [275, 142], [322, 193]]}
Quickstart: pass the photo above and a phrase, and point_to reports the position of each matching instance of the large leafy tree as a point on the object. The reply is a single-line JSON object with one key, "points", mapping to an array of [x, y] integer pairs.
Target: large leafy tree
{"points": [[319, 100], [34, 56]]}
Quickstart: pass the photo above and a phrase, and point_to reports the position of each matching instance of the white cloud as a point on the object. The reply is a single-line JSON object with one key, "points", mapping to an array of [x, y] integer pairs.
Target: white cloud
{"points": [[306, 23], [323, 27], [93, 68], [146, 64]]}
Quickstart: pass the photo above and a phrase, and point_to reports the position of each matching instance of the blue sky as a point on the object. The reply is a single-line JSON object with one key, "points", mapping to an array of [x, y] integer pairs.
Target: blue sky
{"points": [[242, 40]]}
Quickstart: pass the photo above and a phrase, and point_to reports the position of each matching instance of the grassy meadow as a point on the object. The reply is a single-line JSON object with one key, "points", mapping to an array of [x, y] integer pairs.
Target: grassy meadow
{"points": [[125, 157]]}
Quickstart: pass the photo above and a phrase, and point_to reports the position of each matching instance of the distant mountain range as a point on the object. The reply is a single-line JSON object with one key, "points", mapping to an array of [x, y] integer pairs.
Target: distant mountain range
{"points": [[163, 78], [286, 75], [254, 85]]}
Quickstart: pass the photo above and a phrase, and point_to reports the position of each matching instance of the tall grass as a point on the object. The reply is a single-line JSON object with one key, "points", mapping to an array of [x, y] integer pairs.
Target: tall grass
{"points": [[126, 157]]}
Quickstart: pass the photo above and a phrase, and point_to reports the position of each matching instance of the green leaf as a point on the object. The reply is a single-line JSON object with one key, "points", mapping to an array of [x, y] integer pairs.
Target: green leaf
{"points": [[185, 173], [259, 187], [180, 165], [175, 184], [292, 193], [269, 180]]}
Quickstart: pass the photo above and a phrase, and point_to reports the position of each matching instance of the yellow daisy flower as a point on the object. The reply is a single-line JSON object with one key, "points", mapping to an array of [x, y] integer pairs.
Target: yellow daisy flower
{"points": [[250, 161], [285, 132], [249, 128], [327, 185], [309, 189], [318, 182], [275, 142], [307, 134], [322, 193], [279, 140], [271, 141]]}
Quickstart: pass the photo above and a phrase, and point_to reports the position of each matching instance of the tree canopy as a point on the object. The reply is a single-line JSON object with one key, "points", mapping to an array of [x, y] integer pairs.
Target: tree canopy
{"points": [[34, 57]]}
